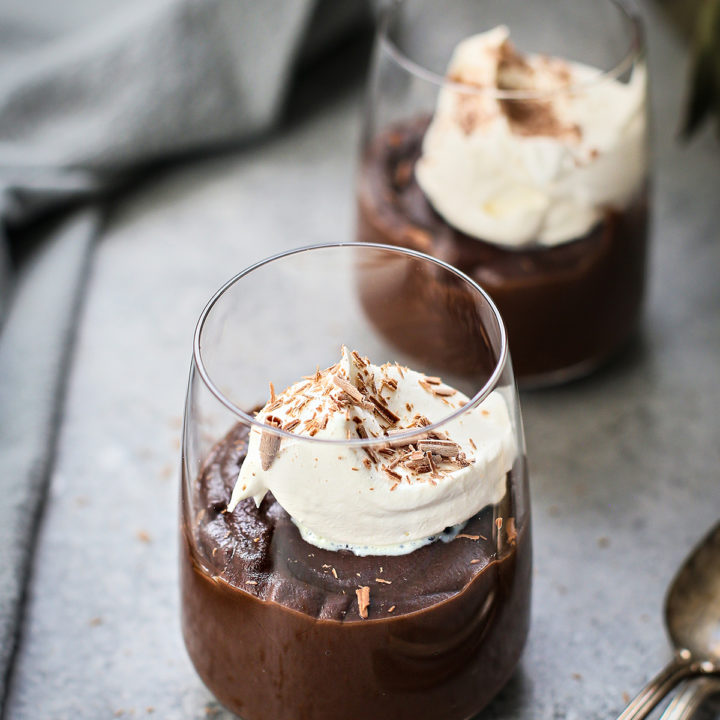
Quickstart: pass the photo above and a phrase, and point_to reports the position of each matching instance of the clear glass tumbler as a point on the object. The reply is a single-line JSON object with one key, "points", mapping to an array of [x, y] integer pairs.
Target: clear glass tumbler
{"points": [[278, 627], [509, 139]]}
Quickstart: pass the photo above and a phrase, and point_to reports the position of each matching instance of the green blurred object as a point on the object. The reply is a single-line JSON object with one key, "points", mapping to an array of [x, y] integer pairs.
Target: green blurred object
{"points": [[704, 91]]}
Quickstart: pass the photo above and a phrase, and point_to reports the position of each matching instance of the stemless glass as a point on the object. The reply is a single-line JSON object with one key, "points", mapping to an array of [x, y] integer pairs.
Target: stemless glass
{"points": [[550, 218], [275, 626]]}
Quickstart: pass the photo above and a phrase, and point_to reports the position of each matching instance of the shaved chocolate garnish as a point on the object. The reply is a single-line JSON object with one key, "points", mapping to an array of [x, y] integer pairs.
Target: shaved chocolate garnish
{"points": [[273, 397], [269, 443], [384, 411], [431, 463], [444, 392], [418, 464], [469, 537], [362, 432], [425, 385], [363, 598], [290, 424], [399, 459], [433, 380], [444, 448], [348, 388]]}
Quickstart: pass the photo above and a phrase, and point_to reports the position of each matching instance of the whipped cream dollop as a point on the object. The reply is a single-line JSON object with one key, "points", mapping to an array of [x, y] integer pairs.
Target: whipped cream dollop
{"points": [[541, 169], [384, 499]]}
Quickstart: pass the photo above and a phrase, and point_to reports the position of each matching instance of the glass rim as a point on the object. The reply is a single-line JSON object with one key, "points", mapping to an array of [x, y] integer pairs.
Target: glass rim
{"points": [[631, 55], [249, 419]]}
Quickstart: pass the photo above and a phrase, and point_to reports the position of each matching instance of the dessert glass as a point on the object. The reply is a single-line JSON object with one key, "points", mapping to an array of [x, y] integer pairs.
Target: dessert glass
{"points": [[571, 293], [274, 625]]}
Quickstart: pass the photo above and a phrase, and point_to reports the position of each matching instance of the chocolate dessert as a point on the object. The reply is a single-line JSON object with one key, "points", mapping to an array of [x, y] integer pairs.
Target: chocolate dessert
{"points": [[530, 176], [279, 628], [389, 578], [566, 308]]}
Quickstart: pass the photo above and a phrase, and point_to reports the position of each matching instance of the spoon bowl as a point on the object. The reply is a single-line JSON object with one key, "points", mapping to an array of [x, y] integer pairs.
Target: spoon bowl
{"points": [[692, 606], [692, 617]]}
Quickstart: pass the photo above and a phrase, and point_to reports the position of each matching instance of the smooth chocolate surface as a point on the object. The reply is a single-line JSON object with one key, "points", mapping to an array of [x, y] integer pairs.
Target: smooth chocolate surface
{"points": [[274, 627], [566, 307]]}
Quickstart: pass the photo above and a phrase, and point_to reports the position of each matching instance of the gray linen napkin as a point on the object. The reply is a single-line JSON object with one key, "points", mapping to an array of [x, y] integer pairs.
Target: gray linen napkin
{"points": [[92, 92]]}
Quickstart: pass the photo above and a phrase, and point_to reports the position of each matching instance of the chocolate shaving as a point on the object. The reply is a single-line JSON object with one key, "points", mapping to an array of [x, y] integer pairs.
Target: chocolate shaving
{"points": [[269, 443], [425, 385], [444, 448], [348, 388], [398, 459], [291, 424], [384, 582], [392, 473], [428, 457], [273, 397], [384, 411], [419, 465], [443, 392], [469, 537], [363, 598], [362, 432]]}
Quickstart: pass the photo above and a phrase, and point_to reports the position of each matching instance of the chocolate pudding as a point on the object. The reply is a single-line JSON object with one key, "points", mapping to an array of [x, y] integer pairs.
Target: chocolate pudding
{"points": [[566, 308], [279, 628]]}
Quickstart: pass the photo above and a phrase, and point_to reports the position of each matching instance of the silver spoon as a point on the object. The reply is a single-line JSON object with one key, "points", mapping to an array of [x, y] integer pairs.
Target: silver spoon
{"points": [[692, 617], [691, 697]]}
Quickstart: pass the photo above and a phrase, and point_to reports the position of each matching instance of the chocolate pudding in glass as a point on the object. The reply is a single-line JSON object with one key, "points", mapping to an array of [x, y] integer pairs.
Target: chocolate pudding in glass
{"points": [[355, 527], [509, 139]]}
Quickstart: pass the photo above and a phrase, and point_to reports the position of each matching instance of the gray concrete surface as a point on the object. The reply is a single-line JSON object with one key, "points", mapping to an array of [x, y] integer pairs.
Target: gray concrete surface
{"points": [[624, 466]]}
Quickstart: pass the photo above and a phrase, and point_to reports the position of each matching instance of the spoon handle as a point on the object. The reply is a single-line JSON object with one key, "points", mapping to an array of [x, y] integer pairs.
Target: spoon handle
{"points": [[689, 700], [644, 702]]}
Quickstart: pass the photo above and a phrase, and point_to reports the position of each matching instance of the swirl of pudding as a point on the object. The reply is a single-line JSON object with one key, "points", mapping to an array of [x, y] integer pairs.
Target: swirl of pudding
{"points": [[539, 163], [381, 499]]}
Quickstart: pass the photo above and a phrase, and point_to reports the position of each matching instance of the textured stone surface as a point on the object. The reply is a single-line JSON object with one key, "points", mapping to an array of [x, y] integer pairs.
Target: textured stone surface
{"points": [[623, 465]]}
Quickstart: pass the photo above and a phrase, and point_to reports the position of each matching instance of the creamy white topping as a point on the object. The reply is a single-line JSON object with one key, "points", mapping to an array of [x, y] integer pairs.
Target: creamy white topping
{"points": [[514, 172], [377, 500]]}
